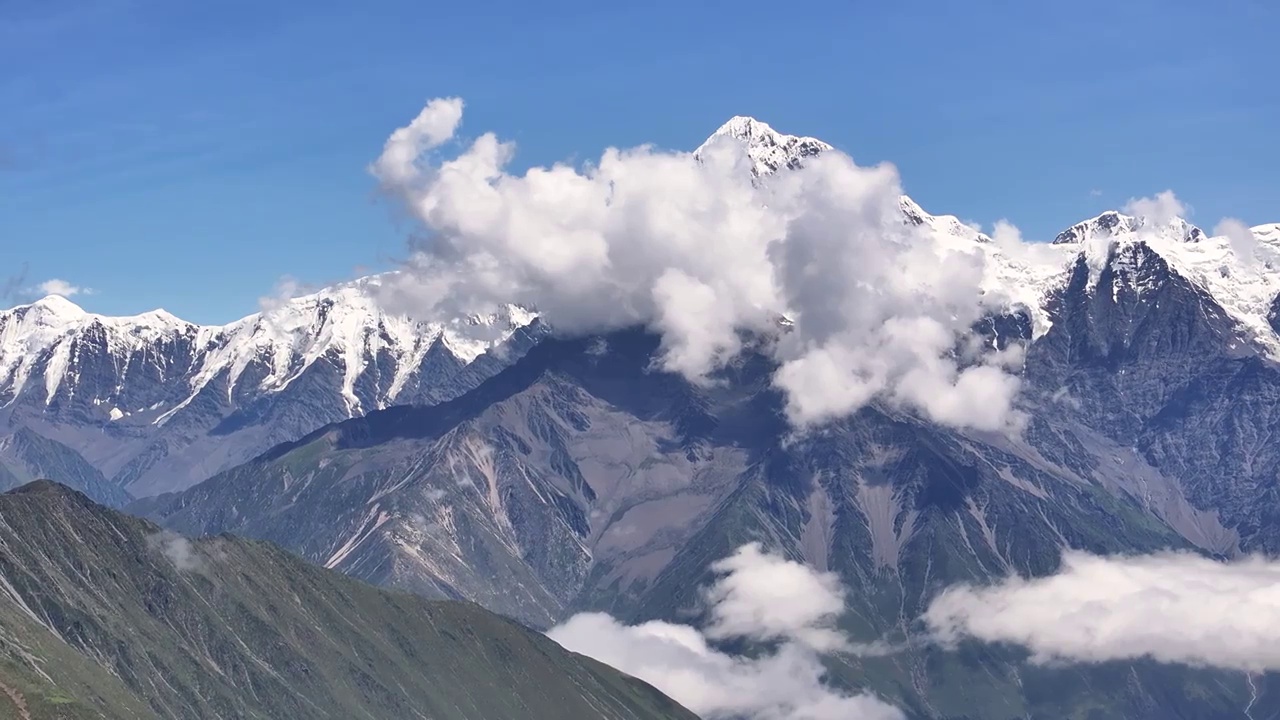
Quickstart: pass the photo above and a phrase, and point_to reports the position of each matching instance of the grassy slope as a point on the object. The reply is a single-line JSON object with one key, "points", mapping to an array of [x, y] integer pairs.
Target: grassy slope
{"points": [[240, 628]]}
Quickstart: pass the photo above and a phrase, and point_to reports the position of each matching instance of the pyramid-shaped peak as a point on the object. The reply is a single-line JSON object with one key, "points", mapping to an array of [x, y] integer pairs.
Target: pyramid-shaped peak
{"points": [[768, 149], [53, 308], [746, 127]]}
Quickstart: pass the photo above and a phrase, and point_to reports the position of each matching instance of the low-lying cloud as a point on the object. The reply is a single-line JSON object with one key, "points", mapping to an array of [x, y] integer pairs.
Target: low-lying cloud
{"points": [[696, 250], [765, 597], [1171, 607], [758, 597]]}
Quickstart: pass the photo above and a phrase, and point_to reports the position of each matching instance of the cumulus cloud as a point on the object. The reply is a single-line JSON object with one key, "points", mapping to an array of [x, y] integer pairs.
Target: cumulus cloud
{"points": [[699, 252], [766, 597], [760, 597], [1161, 209], [1007, 236], [432, 127], [178, 549], [54, 286], [1172, 607]]}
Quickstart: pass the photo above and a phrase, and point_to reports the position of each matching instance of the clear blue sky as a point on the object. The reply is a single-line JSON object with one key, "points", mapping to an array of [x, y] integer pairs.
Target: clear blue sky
{"points": [[186, 155]]}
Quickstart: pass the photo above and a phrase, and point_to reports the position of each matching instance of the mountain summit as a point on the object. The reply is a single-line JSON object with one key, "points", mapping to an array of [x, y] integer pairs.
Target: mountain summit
{"points": [[1113, 224], [768, 149], [156, 403]]}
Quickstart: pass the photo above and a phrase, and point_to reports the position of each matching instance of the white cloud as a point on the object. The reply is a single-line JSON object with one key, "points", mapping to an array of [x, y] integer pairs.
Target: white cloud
{"points": [[1243, 243], [434, 126], [767, 597], [286, 289], [1007, 235], [698, 252], [1172, 607], [1161, 209], [178, 549], [758, 597], [54, 286]]}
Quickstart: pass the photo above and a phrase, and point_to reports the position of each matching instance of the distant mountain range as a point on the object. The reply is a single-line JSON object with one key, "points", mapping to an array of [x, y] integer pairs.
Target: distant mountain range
{"points": [[570, 475], [152, 403], [106, 616]]}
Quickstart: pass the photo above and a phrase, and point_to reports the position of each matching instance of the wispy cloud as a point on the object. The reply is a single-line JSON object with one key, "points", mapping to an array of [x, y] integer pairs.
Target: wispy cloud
{"points": [[11, 288], [758, 597], [1243, 242], [177, 549]]}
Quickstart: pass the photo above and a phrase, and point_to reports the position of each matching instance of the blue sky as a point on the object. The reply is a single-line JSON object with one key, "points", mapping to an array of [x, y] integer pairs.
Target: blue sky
{"points": [[185, 155]]}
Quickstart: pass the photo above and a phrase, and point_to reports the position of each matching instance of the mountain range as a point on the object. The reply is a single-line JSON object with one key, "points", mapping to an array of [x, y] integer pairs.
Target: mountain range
{"points": [[151, 403], [541, 475]]}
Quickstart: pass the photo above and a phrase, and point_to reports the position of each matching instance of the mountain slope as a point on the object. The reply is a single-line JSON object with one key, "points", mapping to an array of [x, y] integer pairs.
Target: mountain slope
{"points": [[154, 403], [105, 615], [26, 455], [576, 480], [580, 478]]}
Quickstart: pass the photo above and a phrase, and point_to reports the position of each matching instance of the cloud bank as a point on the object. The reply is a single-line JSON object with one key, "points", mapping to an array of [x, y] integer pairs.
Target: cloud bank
{"points": [[758, 597], [698, 252], [1171, 607]]}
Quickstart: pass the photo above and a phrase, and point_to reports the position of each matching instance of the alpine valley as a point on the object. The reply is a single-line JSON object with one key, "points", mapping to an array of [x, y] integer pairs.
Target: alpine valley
{"points": [[489, 459]]}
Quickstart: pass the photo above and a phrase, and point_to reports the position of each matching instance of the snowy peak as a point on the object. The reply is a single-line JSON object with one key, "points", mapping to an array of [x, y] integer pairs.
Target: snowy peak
{"points": [[1268, 234], [57, 306], [342, 325], [1237, 275], [1112, 224], [768, 149]]}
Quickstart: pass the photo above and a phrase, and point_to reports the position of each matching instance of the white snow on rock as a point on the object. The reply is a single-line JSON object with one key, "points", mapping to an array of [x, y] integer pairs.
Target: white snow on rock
{"points": [[346, 321], [343, 321], [1023, 274], [768, 149]]}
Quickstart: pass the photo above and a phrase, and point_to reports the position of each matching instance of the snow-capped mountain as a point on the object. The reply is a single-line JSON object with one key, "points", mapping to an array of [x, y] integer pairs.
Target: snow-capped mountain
{"points": [[1112, 224], [1025, 275], [768, 149], [156, 403], [577, 478]]}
